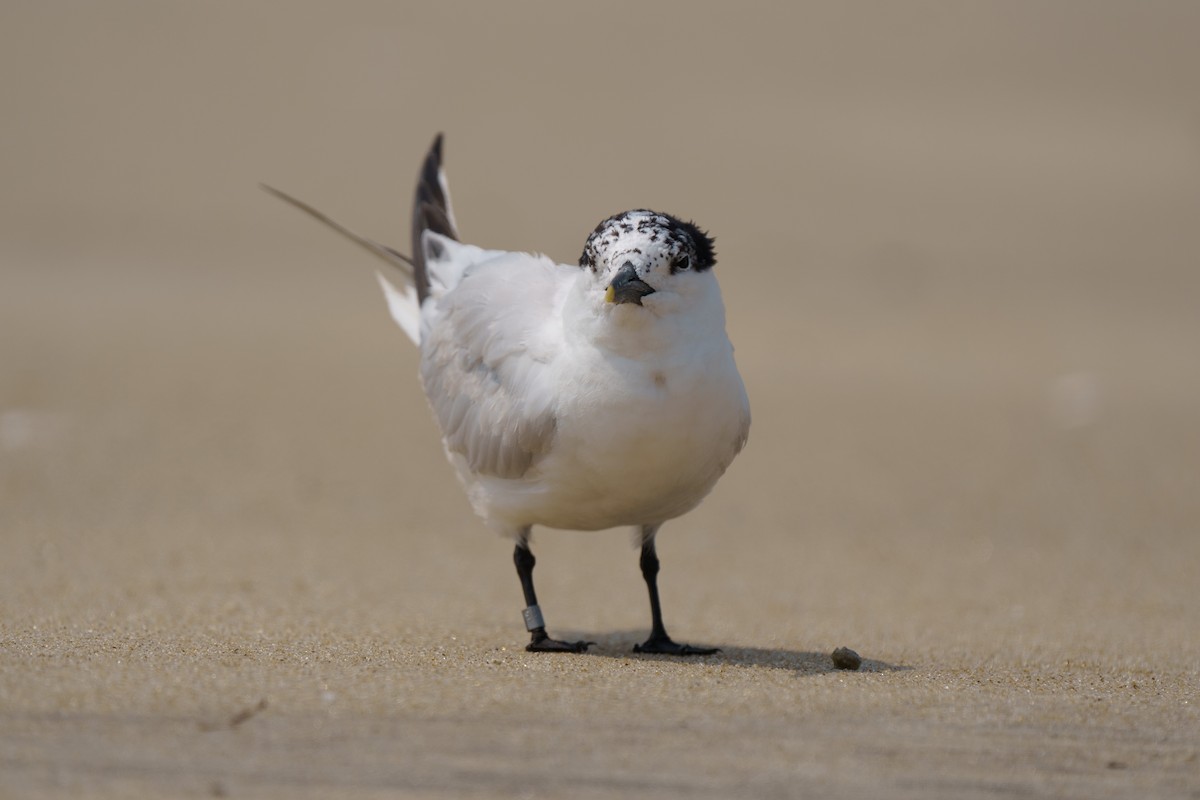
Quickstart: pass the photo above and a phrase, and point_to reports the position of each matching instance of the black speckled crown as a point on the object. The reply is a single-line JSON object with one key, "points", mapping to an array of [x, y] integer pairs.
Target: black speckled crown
{"points": [[684, 243]]}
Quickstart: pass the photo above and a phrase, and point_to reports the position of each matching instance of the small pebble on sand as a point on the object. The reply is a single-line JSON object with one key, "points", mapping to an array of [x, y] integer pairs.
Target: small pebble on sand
{"points": [[845, 658]]}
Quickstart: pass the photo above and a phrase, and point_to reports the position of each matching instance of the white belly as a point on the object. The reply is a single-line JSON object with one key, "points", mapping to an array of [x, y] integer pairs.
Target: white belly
{"points": [[635, 445]]}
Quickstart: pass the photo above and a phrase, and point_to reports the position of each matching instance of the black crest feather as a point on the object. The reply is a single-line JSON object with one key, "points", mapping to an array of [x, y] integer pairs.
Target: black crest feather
{"points": [[706, 255]]}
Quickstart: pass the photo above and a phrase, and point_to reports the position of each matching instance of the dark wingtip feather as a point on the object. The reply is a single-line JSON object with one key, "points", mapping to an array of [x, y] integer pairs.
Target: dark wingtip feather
{"points": [[431, 211]]}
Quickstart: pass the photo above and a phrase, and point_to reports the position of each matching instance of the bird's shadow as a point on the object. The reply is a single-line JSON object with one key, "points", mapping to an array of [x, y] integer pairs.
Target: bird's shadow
{"points": [[619, 645]]}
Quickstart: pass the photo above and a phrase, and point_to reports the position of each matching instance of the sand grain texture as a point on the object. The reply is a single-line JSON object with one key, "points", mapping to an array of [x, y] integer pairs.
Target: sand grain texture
{"points": [[958, 248]]}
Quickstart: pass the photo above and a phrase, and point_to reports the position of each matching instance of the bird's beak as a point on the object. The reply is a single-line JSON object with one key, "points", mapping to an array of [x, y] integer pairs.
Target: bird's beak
{"points": [[627, 287]]}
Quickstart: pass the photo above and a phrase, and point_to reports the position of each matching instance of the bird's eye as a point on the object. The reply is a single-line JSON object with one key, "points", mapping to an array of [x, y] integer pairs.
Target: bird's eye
{"points": [[683, 262]]}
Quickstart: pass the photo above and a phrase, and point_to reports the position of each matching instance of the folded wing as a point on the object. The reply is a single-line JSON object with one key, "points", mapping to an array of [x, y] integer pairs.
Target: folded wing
{"points": [[488, 339]]}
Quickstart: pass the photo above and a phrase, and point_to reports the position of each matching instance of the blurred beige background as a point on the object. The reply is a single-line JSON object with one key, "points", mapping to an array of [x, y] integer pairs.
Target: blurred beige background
{"points": [[958, 244]]}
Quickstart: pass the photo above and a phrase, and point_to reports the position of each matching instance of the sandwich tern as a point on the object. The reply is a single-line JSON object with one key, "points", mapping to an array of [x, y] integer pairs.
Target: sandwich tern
{"points": [[578, 397]]}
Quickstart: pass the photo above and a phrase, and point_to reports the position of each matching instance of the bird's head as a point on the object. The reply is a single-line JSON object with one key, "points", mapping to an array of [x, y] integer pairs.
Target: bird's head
{"points": [[640, 253]]}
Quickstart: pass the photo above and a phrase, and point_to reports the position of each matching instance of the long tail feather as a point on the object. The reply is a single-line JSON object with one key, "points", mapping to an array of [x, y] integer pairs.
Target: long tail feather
{"points": [[398, 260]]}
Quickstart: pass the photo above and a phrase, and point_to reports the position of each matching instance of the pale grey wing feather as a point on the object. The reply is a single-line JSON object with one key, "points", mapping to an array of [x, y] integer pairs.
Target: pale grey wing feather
{"points": [[484, 362]]}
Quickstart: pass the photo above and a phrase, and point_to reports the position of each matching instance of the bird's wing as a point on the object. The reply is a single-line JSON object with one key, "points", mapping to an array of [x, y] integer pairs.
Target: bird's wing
{"points": [[431, 213], [487, 345]]}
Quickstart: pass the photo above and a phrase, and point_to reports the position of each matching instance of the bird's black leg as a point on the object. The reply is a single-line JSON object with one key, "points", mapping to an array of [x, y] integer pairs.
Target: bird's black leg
{"points": [[659, 641], [539, 640]]}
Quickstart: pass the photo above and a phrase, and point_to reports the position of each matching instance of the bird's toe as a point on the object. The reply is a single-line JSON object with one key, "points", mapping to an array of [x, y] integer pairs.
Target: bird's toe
{"points": [[664, 645], [549, 645]]}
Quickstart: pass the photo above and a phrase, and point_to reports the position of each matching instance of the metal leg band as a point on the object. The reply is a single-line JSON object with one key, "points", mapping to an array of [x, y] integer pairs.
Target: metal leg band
{"points": [[533, 618]]}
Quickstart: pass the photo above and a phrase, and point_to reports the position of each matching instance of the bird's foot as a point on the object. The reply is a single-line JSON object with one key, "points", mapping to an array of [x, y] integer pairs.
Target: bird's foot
{"points": [[663, 645], [544, 644]]}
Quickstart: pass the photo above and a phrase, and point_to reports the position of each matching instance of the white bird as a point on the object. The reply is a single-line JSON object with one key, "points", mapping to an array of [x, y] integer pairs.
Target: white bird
{"points": [[580, 397]]}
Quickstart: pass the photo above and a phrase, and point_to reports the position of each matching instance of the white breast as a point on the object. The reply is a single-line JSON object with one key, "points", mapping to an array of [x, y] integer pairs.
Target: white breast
{"points": [[639, 440]]}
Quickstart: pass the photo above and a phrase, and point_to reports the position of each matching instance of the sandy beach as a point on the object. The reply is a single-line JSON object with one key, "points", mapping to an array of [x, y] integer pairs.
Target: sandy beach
{"points": [[958, 249]]}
